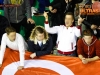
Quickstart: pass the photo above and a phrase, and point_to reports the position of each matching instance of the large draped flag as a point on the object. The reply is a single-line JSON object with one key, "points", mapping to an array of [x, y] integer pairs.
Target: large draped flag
{"points": [[47, 65]]}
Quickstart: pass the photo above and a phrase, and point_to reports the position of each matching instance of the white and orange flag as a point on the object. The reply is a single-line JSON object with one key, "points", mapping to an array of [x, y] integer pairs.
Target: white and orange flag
{"points": [[47, 65]]}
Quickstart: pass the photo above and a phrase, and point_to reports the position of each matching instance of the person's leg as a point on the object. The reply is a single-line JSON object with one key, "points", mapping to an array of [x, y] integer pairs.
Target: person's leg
{"points": [[54, 39], [28, 28], [1, 3], [3, 24], [16, 26], [32, 2], [47, 3], [54, 21], [41, 6]]}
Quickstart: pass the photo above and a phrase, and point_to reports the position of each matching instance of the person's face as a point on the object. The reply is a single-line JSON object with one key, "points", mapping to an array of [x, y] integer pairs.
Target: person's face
{"points": [[88, 39], [68, 1], [40, 36], [68, 20], [12, 36]]}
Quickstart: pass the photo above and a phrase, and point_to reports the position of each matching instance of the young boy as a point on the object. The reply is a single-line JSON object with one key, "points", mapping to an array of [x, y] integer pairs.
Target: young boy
{"points": [[14, 41], [88, 47], [67, 35]]}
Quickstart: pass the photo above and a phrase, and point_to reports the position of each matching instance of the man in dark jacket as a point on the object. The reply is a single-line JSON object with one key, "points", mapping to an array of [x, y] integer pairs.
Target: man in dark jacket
{"points": [[58, 8], [92, 21]]}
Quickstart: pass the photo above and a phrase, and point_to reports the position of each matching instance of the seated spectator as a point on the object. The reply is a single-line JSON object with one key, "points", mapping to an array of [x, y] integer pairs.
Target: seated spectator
{"points": [[67, 35], [88, 47], [39, 42], [14, 41]]}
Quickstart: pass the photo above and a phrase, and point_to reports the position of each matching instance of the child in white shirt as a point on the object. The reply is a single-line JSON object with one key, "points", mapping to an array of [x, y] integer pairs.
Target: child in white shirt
{"points": [[14, 41], [67, 35]]}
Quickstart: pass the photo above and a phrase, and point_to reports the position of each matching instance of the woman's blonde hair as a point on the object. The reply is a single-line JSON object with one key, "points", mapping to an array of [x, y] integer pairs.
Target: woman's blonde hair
{"points": [[38, 29], [16, 2]]}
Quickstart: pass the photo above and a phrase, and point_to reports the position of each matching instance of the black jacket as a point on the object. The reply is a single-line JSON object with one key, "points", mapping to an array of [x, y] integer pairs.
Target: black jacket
{"points": [[62, 8], [43, 50], [61, 5]]}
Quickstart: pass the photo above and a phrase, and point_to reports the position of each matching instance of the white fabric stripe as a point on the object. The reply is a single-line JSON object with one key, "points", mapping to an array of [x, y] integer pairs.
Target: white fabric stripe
{"points": [[11, 69]]}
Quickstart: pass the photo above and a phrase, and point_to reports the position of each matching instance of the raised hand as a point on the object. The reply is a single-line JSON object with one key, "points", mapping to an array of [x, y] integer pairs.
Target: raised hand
{"points": [[46, 15]]}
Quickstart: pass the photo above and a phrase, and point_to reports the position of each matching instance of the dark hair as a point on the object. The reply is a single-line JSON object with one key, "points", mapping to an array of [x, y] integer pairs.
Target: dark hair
{"points": [[70, 13], [9, 29], [87, 32], [40, 30]]}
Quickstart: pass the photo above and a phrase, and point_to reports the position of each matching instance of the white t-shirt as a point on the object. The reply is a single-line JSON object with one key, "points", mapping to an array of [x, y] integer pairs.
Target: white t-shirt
{"points": [[18, 44]]}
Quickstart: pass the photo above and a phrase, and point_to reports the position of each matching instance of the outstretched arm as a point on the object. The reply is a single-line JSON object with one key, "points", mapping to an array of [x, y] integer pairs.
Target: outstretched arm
{"points": [[52, 30], [3, 48]]}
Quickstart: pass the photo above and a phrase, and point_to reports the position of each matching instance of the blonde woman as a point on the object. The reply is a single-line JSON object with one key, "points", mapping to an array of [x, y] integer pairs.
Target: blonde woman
{"points": [[39, 42], [19, 15]]}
